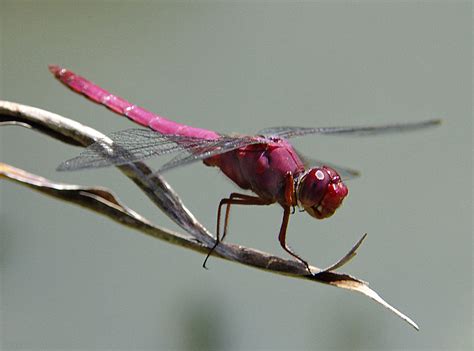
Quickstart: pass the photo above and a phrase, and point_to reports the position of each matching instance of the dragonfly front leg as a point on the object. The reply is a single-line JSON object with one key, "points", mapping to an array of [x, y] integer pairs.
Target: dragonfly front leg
{"points": [[233, 199], [282, 237], [290, 200]]}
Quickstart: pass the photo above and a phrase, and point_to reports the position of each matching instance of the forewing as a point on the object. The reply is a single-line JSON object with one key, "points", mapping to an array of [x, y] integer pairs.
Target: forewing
{"points": [[290, 132]]}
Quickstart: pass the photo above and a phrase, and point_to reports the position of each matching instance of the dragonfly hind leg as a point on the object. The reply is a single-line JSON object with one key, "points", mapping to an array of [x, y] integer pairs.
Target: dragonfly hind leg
{"points": [[233, 199]]}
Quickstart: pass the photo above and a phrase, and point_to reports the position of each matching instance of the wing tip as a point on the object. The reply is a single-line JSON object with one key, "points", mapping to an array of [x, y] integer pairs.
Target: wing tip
{"points": [[435, 122], [354, 173], [64, 167], [71, 165]]}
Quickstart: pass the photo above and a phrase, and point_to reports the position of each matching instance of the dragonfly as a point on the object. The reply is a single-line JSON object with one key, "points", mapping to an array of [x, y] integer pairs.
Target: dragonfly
{"points": [[265, 163]]}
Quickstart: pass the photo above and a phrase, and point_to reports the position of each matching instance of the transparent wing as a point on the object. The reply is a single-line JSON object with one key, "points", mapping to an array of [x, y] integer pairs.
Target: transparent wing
{"points": [[220, 146], [290, 132], [134, 145]]}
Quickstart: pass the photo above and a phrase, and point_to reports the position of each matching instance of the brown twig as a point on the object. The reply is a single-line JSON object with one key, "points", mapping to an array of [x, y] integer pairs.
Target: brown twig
{"points": [[198, 238]]}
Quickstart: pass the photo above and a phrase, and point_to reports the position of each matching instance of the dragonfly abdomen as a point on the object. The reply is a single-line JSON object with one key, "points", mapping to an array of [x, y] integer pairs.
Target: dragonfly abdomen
{"points": [[124, 108]]}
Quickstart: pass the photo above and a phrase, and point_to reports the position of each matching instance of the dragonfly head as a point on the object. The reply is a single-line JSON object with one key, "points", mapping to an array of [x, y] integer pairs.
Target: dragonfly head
{"points": [[320, 191]]}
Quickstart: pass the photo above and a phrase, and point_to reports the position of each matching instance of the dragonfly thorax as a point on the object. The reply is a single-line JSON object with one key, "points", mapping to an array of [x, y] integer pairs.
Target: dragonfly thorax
{"points": [[320, 191]]}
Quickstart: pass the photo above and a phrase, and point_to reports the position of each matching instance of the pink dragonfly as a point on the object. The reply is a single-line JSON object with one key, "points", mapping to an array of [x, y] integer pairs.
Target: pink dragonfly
{"points": [[266, 163]]}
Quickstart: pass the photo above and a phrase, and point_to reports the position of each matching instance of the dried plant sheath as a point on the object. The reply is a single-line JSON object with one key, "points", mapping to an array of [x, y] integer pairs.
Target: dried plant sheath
{"points": [[198, 238]]}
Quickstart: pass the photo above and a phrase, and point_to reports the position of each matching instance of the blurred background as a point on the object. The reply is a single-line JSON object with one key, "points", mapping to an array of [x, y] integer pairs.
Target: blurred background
{"points": [[74, 280]]}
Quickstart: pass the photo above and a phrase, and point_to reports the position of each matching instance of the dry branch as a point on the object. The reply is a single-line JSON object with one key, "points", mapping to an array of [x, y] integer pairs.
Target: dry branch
{"points": [[198, 238]]}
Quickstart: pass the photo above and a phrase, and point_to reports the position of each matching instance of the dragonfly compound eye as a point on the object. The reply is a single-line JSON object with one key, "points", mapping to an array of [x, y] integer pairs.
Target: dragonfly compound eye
{"points": [[321, 191]]}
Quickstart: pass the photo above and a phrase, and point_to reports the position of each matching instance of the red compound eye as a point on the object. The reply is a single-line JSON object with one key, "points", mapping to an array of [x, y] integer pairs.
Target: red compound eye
{"points": [[321, 191]]}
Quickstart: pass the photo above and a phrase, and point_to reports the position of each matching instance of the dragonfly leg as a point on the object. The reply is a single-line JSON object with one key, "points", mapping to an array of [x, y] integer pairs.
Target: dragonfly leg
{"points": [[290, 196], [282, 237], [233, 199], [252, 200]]}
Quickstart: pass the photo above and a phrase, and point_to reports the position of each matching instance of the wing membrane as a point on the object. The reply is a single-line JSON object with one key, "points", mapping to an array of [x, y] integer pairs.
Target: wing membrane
{"points": [[134, 145], [290, 132], [220, 146]]}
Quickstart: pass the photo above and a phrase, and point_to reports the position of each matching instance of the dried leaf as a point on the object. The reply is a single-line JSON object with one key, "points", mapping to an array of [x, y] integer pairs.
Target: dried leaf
{"points": [[102, 201]]}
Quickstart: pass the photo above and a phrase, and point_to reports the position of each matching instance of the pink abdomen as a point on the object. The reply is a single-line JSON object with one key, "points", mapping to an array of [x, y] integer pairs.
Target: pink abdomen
{"points": [[125, 108]]}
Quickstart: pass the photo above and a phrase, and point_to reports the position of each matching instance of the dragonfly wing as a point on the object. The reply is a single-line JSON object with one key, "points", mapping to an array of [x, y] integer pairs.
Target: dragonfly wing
{"points": [[290, 132], [344, 172], [128, 146], [218, 147], [134, 145]]}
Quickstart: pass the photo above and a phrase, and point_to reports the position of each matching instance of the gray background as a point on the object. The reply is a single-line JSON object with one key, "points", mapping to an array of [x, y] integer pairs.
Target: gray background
{"points": [[73, 280]]}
